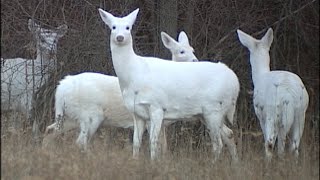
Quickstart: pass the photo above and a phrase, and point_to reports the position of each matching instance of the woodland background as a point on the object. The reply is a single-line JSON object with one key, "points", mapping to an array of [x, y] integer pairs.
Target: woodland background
{"points": [[211, 27]]}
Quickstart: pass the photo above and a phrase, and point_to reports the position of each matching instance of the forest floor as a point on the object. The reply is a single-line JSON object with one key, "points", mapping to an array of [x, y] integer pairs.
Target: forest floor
{"points": [[110, 157]]}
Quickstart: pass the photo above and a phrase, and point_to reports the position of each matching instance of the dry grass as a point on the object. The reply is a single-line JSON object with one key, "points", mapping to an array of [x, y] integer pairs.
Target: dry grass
{"points": [[110, 158]]}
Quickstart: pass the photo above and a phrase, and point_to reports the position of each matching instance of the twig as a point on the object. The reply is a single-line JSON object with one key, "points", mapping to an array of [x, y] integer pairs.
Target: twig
{"points": [[263, 30]]}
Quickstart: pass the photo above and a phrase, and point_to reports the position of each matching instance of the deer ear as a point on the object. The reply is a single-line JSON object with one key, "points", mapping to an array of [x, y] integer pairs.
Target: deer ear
{"points": [[132, 16], [268, 38], [167, 41], [106, 17], [62, 30], [183, 38], [33, 26], [246, 40]]}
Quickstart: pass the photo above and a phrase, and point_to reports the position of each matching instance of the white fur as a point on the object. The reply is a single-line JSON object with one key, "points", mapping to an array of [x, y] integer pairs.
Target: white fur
{"points": [[280, 98], [182, 51], [89, 100], [21, 78], [155, 89]]}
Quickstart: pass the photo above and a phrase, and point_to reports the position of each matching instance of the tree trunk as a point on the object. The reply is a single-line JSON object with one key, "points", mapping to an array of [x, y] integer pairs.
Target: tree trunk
{"points": [[167, 22], [188, 22]]}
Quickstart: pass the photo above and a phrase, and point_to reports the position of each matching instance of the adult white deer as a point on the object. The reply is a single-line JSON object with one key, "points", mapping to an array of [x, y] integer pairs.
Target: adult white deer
{"points": [[181, 51], [20, 77], [154, 89], [280, 98]]}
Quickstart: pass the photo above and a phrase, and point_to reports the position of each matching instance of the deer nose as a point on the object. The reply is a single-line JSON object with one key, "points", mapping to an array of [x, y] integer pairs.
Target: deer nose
{"points": [[120, 38]]}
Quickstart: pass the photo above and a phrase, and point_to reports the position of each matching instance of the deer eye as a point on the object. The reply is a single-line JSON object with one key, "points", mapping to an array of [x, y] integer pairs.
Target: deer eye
{"points": [[182, 52], [127, 28], [113, 27]]}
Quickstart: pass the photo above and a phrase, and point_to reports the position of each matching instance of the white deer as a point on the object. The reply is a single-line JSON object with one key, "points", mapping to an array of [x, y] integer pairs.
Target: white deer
{"points": [[20, 77], [88, 100], [280, 98], [91, 100], [154, 89], [182, 51]]}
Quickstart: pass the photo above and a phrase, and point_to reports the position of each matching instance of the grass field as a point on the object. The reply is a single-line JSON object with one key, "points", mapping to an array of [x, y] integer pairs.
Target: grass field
{"points": [[110, 157]]}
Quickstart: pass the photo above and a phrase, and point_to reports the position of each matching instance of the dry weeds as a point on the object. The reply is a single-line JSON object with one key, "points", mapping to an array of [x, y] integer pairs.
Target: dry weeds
{"points": [[110, 158]]}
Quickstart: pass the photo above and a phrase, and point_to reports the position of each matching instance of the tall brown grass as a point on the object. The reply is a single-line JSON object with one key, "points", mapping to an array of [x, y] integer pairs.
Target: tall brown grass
{"points": [[110, 157]]}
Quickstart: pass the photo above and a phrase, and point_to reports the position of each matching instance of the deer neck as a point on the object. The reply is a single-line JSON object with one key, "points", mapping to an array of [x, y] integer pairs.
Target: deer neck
{"points": [[45, 61], [124, 61], [260, 64]]}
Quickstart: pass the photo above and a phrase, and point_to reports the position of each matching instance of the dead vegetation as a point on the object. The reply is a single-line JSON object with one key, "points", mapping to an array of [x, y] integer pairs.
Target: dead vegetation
{"points": [[110, 157]]}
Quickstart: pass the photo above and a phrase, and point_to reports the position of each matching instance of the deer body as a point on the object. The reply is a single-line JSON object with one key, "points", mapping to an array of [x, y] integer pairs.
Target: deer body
{"points": [[280, 97], [88, 100], [141, 95], [182, 51]]}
